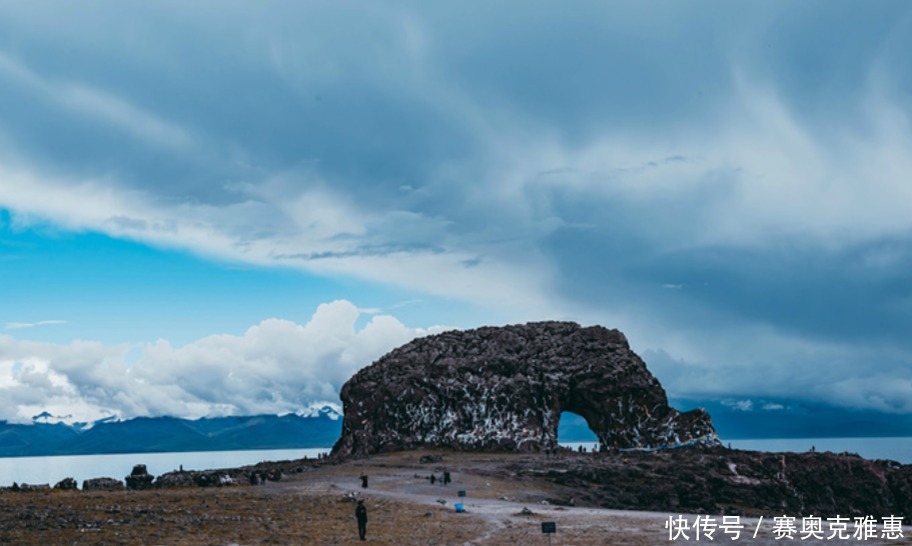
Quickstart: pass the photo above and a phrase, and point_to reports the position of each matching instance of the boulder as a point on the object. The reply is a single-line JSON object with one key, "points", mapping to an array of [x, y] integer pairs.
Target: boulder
{"points": [[504, 388], [66, 484]]}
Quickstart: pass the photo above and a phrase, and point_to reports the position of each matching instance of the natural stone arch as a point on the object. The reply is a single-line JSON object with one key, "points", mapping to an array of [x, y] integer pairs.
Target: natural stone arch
{"points": [[504, 389]]}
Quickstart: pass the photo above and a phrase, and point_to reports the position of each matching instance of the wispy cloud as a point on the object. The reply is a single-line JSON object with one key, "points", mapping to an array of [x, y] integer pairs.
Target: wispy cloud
{"points": [[19, 325], [405, 303], [97, 104], [319, 231]]}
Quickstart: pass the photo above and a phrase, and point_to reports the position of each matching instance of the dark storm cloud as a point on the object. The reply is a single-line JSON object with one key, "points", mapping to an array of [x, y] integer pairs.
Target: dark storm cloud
{"points": [[684, 171]]}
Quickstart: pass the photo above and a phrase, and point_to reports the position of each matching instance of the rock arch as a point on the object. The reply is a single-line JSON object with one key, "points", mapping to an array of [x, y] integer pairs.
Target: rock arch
{"points": [[504, 388]]}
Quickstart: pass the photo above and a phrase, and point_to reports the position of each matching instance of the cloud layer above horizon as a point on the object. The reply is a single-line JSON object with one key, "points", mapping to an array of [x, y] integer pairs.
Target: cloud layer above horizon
{"points": [[275, 367], [727, 184]]}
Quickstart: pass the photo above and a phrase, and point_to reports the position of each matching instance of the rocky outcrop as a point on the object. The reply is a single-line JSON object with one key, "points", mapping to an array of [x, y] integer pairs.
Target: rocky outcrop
{"points": [[139, 478], [207, 478], [504, 388], [102, 484]]}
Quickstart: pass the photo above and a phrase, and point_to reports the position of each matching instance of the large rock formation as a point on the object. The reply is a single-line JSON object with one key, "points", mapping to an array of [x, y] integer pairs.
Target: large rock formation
{"points": [[505, 388]]}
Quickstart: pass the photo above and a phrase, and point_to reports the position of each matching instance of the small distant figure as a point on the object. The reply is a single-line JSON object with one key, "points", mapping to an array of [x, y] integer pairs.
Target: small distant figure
{"points": [[181, 468], [433, 479], [361, 516], [364, 481], [446, 477], [813, 449]]}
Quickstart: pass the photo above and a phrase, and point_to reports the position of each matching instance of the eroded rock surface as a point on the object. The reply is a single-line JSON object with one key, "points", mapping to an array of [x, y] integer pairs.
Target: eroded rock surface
{"points": [[504, 388]]}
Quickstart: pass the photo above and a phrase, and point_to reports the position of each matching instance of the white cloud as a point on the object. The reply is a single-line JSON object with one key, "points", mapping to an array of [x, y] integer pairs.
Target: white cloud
{"points": [[276, 366], [315, 230], [18, 325], [740, 405]]}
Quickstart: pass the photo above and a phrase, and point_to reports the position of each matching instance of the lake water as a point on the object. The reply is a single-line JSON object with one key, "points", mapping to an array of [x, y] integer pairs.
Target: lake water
{"points": [[50, 470], [896, 449]]}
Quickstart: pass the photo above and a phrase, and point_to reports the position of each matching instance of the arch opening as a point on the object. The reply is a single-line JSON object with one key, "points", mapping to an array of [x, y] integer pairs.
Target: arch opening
{"points": [[573, 429]]}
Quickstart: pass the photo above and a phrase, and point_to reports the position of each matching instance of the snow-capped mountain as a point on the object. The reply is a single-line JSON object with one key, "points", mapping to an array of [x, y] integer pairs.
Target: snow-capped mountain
{"points": [[317, 425], [47, 418], [328, 409]]}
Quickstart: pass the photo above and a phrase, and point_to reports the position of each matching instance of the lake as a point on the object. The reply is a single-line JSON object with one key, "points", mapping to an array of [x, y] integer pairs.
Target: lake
{"points": [[50, 470], [896, 449]]}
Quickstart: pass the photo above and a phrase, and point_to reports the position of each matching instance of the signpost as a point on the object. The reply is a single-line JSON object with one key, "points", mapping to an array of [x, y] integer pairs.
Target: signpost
{"points": [[549, 528]]}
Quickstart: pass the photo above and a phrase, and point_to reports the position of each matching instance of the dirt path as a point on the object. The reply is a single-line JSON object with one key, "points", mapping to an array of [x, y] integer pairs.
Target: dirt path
{"points": [[493, 509]]}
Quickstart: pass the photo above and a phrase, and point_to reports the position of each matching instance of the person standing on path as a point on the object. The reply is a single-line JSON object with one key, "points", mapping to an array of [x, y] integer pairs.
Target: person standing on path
{"points": [[361, 516]]}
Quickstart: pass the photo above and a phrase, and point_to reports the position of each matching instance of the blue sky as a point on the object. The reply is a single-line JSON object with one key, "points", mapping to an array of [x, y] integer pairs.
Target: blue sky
{"points": [[190, 193]]}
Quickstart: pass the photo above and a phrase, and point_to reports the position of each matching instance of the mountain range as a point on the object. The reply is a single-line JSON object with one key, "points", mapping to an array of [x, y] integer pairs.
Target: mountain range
{"points": [[321, 425], [47, 435]]}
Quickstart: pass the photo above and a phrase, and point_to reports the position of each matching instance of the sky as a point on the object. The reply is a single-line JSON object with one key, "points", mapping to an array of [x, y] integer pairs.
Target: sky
{"points": [[222, 208]]}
